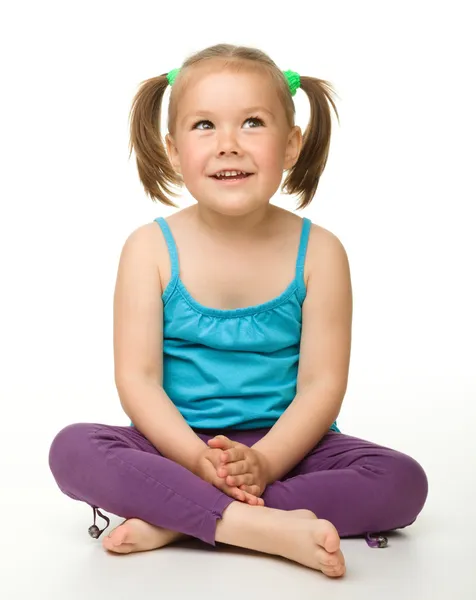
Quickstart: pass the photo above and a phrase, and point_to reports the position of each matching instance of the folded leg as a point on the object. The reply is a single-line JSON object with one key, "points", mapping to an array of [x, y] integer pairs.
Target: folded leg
{"points": [[359, 486], [119, 470]]}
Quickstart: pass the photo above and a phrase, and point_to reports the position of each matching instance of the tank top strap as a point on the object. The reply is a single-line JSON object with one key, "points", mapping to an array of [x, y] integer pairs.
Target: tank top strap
{"points": [[301, 258], [172, 247]]}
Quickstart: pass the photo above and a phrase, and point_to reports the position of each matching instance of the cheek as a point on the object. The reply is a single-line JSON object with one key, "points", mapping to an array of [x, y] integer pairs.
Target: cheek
{"points": [[270, 155], [193, 158]]}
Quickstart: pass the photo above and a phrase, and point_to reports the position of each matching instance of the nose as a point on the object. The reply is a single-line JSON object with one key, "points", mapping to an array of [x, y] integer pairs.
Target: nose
{"points": [[227, 143]]}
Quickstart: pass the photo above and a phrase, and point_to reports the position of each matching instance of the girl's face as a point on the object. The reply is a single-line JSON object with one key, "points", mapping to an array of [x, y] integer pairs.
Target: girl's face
{"points": [[229, 121]]}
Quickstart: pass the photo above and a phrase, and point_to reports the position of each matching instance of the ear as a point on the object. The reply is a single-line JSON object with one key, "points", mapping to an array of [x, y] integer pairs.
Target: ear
{"points": [[293, 147], [172, 152]]}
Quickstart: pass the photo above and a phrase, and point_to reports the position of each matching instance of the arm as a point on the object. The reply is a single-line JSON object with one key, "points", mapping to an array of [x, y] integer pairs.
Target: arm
{"points": [[138, 361], [324, 359]]}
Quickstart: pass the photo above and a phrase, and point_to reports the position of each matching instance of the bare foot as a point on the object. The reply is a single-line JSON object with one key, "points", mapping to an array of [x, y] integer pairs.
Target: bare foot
{"points": [[313, 542], [135, 535], [315, 545]]}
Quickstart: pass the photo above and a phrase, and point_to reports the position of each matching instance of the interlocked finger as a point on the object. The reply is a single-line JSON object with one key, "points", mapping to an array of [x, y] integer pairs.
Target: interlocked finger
{"points": [[254, 500], [237, 468], [234, 454], [250, 489], [241, 495], [239, 480]]}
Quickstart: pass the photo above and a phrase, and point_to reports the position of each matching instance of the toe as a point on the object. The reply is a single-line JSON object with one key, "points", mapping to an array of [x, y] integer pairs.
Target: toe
{"points": [[115, 542], [107, 543], [325, 558], [123, 549], [120, 536], [326, 535], [337, 567], [117, 537], [338, 571], [331, 564]]}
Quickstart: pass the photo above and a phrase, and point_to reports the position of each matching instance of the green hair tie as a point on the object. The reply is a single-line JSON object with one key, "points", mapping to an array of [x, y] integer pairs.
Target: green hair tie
{"points": [[172, 76], [293, 79]]}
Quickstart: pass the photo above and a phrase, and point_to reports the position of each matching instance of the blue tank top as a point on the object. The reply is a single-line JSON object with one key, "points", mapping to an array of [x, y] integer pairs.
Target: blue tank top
{"points": [[233, 368]]}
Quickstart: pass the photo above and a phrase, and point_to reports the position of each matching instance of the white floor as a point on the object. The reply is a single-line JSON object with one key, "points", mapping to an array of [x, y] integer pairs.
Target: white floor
{"points": [[47, 553]]}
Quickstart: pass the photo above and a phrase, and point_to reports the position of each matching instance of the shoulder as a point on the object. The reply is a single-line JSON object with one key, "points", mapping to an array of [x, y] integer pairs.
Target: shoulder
{"points": [[324, 246], [320, 236], [146, 238], [145, 247]]}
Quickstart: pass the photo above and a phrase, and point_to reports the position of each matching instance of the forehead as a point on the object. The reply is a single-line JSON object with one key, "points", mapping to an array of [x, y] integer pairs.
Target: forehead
{"points": [[221, 90]]}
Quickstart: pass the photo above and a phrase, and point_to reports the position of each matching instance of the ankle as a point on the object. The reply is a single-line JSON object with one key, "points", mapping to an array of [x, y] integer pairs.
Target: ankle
{"points": [[248, 526]]}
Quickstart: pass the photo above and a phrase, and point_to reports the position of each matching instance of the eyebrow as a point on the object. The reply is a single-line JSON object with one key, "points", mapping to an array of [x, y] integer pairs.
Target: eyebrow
{"points": [[207, 113]]}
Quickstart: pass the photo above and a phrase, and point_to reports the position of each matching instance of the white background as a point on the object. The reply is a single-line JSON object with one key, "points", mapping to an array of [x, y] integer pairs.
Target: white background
{"points": [[398, 191]]}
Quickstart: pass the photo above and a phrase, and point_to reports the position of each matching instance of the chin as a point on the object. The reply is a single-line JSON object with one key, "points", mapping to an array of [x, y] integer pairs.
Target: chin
{"points": [[235, 207]]}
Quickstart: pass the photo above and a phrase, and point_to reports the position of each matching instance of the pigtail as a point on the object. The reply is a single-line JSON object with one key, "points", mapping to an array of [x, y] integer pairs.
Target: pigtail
{"points": [[303, 178], [155, 169]]}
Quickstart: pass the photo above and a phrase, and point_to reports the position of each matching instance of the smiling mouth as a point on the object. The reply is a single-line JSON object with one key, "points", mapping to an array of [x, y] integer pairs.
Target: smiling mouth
{"points": [[231, 175]]}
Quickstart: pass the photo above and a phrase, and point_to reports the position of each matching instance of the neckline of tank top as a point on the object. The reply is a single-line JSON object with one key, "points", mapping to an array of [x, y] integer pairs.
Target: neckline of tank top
{"points": [[296, 285], [231, 312]]}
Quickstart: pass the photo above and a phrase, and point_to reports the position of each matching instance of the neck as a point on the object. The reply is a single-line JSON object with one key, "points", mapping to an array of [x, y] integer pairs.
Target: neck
{"points": [[244, 228]]}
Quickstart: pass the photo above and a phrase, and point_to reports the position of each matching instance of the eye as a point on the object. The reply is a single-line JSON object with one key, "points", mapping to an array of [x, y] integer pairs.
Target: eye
{"points": [[257, 120], [196, 126]]}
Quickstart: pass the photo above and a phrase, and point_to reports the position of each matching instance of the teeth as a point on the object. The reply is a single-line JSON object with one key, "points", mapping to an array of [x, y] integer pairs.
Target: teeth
{"points": [[229, 173]]}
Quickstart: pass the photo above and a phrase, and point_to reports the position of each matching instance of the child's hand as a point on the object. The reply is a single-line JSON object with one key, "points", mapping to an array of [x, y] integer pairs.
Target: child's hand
{"points": [[206, 468], [241, 466]]}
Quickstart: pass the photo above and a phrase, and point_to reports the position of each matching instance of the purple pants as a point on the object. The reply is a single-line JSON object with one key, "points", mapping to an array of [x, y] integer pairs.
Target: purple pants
{"points": [[357, 485]]}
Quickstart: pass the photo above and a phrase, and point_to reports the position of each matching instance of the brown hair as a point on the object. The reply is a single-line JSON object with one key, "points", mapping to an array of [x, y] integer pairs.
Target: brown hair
{"points": [[155, 169]]}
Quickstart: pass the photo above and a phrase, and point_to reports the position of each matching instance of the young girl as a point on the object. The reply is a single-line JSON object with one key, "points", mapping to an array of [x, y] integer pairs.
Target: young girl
{"points": [[232, 334]]}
